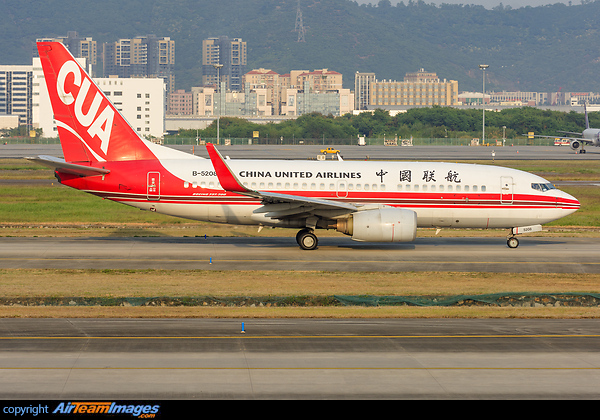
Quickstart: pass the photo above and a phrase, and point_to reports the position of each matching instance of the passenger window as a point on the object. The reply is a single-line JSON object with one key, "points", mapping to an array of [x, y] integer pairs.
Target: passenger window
{"points": [[483, 188], [474, 188], [466, 188], [399, 187]]}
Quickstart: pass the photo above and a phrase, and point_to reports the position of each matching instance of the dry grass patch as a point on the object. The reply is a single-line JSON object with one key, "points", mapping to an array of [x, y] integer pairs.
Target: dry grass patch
{"points": [[350, 312], [181, 283]]}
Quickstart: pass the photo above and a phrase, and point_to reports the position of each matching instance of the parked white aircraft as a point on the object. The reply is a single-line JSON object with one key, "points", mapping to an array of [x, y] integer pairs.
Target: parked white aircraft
{"points": [[369, 201], [589, 136]]}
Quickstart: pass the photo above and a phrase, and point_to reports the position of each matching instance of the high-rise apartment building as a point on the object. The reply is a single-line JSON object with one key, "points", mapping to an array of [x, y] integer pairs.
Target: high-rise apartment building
{"points": [[78, 46], [226, 59], [143, 56], [362, 89]]}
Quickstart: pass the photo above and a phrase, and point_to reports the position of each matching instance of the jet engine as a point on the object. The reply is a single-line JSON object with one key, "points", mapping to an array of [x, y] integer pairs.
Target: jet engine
{"points": [[386, 224], [575, 144]]}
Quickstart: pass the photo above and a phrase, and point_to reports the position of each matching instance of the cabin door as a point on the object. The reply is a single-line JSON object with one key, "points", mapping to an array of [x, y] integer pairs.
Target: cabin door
{"points": [[506, 191], [153, 186]]}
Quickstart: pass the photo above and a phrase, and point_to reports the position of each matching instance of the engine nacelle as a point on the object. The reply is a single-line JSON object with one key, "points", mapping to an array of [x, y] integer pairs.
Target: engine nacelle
{"points": [[575, 144], [380, 225]]}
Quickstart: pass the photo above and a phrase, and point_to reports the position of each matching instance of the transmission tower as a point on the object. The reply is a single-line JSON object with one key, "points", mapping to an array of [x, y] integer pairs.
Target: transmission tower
{"points": [[299, 24]]}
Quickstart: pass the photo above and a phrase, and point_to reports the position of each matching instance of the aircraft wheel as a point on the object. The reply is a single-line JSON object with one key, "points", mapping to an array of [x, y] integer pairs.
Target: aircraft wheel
{"points": [[512, 242], [300, 233], [307, 240]]}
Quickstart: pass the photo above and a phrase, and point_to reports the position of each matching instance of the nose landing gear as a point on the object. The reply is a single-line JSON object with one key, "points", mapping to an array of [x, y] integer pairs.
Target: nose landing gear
{"points": [[512, 242]]}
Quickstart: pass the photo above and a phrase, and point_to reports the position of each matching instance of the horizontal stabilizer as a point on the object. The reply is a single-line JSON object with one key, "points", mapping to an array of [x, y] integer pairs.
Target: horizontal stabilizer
{"points": [[62, 165]]}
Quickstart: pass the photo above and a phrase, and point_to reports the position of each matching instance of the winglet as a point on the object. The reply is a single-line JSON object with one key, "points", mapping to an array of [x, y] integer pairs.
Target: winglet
{"points": [[227, 178]]}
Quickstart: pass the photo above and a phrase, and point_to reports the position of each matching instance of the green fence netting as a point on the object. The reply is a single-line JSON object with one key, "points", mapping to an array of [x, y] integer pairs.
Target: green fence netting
{"points": [[495, 299]]}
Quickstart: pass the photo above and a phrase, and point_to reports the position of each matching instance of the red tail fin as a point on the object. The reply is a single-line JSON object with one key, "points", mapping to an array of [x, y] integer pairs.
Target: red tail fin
{"points": [[90, 127]]}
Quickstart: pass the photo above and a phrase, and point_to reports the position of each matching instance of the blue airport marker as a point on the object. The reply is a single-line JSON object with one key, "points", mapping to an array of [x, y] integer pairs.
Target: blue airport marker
{"points": [[210, 260], [243, 332]]}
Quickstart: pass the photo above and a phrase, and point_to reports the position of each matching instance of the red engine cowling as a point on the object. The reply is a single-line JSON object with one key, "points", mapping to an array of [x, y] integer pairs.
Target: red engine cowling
{"points": [[387, 224]]}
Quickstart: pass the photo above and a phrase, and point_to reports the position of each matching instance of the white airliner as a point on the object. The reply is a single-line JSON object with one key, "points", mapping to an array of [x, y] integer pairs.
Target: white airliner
{"points": [[369, 201], [590, 136]]}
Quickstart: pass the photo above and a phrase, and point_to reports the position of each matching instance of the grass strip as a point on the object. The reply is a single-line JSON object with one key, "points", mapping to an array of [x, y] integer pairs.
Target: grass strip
{"points": [[294, 288]]}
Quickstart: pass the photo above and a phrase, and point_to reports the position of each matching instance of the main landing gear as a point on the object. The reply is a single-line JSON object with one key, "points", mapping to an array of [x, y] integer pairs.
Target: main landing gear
{"points": [[307, 239]]}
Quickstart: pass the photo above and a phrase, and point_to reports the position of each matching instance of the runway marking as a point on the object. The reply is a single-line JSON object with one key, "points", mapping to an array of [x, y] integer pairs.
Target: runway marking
{"points": [[264, 337], [217, 260], [302, 368]]}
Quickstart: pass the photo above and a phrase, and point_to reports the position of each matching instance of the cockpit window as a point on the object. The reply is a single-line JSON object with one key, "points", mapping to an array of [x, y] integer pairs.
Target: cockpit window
{"points": [[542, 187]]}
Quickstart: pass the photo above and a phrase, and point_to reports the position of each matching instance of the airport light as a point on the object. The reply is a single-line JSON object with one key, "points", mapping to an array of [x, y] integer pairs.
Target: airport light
{"points": [[483, 67], [218, 68]]}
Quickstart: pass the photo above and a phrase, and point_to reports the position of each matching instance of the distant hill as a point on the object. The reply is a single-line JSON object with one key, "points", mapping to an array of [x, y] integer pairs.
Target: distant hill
{"points": [[532, 48]]}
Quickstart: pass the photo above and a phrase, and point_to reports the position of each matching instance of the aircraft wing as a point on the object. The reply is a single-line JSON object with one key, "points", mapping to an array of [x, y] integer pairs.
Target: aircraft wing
{"points": [[276, 205], [581, 139], [62, 165], [575, 133]]}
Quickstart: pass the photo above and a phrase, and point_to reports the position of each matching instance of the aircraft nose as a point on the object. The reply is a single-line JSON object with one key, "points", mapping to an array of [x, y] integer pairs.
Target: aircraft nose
{"points": [[568, 201]]}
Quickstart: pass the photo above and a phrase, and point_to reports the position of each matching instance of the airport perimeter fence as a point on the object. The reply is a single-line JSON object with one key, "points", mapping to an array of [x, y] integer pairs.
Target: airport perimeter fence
{"points": [[377, 141], [493, 300]]}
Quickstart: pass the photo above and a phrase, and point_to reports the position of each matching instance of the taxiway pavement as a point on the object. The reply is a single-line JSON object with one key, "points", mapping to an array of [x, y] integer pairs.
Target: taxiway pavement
{"points": [[534, 254], [298, 359], [422, 153]]}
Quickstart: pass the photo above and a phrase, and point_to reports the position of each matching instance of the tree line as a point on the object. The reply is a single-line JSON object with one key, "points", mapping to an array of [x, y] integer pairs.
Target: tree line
{"points": [[435, 122]]}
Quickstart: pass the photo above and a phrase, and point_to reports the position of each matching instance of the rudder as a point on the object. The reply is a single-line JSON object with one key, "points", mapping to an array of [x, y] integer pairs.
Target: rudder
{"points": [[90, 128]]}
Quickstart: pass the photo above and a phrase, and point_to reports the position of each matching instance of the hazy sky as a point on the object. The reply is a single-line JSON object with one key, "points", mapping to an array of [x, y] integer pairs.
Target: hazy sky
{"points": [[486, 3]]}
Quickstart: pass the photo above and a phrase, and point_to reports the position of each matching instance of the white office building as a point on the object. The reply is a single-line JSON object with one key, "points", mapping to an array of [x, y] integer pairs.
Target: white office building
{"points": [[16, 83], [140, 100]]}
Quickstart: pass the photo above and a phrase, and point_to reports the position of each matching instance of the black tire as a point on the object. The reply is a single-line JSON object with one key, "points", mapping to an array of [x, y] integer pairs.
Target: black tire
{"points": [[512, 242], [307, 240]]}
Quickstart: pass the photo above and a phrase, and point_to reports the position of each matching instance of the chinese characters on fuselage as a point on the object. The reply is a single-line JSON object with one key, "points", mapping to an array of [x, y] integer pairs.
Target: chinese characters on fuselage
{"points": [[429, 176]]}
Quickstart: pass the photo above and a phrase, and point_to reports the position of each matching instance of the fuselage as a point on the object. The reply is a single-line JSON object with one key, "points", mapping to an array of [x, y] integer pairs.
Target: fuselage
{"points": [[592, 134], [442, 194]]}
